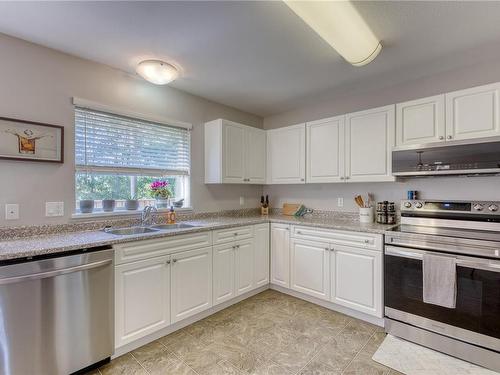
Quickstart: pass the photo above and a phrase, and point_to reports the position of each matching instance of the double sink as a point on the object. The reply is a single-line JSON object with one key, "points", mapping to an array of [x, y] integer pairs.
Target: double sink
{"points": [[151, 229]]}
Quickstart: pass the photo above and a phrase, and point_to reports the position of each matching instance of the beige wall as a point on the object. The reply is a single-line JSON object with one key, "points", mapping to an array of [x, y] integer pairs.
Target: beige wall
{"points": [[324, 196], [37, 83]]}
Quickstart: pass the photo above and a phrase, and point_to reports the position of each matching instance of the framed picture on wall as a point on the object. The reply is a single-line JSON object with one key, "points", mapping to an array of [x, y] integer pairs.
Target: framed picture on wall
{"points": [[28, 140]]}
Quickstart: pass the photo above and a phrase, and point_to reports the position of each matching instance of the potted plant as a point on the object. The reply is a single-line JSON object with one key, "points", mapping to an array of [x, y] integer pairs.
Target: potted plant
{"points": [[86, 205], [160, 190], [108, 205], [132, 204]]}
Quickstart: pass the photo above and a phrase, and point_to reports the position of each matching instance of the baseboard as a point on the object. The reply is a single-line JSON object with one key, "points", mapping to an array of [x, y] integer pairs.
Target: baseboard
{"points": [[176, 326], [330, 305]]}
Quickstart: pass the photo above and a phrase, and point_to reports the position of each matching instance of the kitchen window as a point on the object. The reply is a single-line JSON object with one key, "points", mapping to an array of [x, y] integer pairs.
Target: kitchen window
{"points": [[118, 157]]}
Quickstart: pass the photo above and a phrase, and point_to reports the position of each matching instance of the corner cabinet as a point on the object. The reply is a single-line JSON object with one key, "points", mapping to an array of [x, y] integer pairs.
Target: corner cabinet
{"points": [[286, 155], [369, 141], [234, 153]]}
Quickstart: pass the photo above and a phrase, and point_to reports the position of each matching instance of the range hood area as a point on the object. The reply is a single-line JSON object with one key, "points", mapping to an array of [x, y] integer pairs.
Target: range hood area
{"points": [[481, 157]]}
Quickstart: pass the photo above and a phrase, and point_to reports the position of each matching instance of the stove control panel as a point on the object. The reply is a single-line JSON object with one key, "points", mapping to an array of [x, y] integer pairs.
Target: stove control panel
{"points": [[454, 207]]}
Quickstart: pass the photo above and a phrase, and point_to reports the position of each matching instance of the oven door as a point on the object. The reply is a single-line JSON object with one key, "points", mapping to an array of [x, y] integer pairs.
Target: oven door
{"points": [[476, 316]]}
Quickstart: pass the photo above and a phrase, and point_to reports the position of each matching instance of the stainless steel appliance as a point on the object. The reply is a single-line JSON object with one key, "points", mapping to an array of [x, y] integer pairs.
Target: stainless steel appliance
{"points": [[477, 157], [56, 313], [470, 232]]}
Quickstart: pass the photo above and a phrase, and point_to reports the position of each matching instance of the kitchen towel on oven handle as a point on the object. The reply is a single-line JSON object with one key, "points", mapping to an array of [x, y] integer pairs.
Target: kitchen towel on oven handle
{"points": [[439, 280]]}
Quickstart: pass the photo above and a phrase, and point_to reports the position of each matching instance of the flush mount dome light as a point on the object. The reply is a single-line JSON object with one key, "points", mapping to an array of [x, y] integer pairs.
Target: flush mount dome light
{"points": [[157, 71], [341, 26]]}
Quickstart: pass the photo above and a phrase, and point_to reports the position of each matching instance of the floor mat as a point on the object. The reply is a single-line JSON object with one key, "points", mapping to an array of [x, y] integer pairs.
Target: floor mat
{"points": [[413, 359]]}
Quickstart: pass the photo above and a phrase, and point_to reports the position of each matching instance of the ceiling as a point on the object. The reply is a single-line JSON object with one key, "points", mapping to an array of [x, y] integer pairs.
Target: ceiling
{"points": [[259, 56]]}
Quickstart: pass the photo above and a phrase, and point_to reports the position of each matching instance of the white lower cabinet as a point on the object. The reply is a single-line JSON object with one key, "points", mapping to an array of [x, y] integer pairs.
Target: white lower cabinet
{"points": [[244, 266], [280, 254], [261, 254], [224, 273], [142, 298], [356, 279], [310, 268], [191, 290]]}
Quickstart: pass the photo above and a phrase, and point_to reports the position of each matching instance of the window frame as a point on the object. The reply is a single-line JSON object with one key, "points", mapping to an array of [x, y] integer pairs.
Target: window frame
{"points": [[87, 104]]}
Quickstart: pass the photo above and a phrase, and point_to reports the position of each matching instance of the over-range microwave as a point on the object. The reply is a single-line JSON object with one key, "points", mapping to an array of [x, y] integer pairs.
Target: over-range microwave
{"points": [[476, 157]]}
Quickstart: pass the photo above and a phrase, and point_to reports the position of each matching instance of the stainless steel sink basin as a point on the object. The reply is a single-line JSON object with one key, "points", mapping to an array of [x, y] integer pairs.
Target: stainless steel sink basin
{"points": [[174, 226], [131, 230]]}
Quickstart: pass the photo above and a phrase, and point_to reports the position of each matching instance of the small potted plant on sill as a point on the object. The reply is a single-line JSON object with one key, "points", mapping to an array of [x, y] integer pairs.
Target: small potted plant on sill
{"points": [[160, 190], [86, 205], [108, 205], [132, 204]]}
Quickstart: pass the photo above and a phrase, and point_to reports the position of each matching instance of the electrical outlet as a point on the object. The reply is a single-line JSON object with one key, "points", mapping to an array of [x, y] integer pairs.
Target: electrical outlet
{"points": [[54, 209], [242, 201], [11, 211], [340, 202]]}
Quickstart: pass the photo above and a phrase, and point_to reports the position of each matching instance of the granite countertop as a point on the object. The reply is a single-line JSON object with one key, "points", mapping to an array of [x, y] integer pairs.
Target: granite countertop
{"points": [[64, 242]]}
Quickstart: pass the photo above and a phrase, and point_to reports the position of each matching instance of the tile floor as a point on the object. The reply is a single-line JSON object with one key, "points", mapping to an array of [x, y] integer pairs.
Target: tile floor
{"points": [[270, 333]]}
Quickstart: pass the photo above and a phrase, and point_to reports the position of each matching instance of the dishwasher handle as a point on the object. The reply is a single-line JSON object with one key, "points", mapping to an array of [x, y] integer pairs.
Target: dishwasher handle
{"points": [[43, 275]]}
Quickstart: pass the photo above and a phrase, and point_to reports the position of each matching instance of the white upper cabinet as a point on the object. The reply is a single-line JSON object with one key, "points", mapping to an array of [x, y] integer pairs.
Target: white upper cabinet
{"points": [[234, 153], [325, 150], [369, 142], [255, 156], [420, 121], [473, 113], [286, 155]]}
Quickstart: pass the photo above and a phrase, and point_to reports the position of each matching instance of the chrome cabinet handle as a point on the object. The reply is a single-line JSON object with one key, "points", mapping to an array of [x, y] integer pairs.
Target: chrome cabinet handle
{"points": [[327, 249], [299, 232], [449, 137], [342, 178], [237, 246], [332, 249], [168, 262], [175, 260], [367, 241], [441, 137], [235, 233], [347, 177]]}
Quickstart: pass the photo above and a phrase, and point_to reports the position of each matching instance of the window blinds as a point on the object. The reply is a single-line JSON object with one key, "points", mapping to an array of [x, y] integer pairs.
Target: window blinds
{"points": [[109, 143]]}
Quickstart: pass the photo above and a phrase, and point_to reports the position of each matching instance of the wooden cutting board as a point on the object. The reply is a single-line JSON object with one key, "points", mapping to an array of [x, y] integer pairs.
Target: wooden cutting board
{"points": [[289, 209]]}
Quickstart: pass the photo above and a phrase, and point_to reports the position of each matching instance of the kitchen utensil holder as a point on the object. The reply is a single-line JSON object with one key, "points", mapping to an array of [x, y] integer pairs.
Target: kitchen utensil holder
{"points": [[366, 215]]}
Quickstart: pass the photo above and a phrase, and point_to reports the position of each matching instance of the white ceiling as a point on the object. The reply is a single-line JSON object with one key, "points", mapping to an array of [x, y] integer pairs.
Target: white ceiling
{"points": [[259, 56]]}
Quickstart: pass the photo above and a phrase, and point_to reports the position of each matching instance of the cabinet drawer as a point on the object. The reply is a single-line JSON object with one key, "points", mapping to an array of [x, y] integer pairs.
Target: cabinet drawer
{"points": [[359, 239], [232, 234], [143, 249]]}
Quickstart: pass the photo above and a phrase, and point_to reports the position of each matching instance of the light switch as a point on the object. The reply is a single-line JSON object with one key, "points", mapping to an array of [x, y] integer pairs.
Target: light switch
{"points": [[11, 211], [54, 209]]}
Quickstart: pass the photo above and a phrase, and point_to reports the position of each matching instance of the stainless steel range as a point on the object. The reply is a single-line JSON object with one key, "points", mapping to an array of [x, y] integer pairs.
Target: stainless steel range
{"points": [[469, 232]]}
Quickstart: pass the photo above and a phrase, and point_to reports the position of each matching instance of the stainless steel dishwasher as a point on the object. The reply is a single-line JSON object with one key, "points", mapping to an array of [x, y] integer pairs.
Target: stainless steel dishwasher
{"points": [[56, 313]]}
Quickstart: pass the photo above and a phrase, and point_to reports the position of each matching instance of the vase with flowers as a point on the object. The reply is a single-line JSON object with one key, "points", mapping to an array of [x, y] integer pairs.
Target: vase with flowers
{"points": [[160, 190]]}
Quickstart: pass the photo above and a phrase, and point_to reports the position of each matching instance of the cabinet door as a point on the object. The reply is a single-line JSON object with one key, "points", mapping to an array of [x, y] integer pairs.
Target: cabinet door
{"points": [[233, 153], [142, 298], [420, 121], [244, 266], [286, 155], [369, 143], [473, 113], [356, 276], [325, 150], [191, 283], [255, 156], [280, 254], [224, 273], [261, 255], [310, 268]]}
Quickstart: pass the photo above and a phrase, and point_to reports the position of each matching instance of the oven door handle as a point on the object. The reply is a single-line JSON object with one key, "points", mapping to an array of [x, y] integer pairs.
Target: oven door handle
{"points": [[468, 262]]}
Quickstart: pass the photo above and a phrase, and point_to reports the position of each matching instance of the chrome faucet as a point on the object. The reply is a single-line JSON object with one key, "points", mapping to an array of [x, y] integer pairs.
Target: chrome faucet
{"points": [[147, 215]]}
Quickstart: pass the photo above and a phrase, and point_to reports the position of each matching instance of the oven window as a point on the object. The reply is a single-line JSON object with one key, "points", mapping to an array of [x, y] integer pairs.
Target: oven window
{"points": [[478, 296]]}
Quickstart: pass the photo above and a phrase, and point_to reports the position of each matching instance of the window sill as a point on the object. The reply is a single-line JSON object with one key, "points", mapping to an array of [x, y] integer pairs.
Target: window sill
{"points": [[121, 213]]}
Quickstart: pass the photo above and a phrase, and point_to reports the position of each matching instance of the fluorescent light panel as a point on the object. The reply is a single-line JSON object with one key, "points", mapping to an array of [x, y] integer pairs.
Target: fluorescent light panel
{"points": [[341, 26]]}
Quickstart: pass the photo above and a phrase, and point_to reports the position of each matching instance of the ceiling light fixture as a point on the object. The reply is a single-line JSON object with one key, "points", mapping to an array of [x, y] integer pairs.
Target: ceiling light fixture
{"points": [[341, 26], [157, 72]]}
